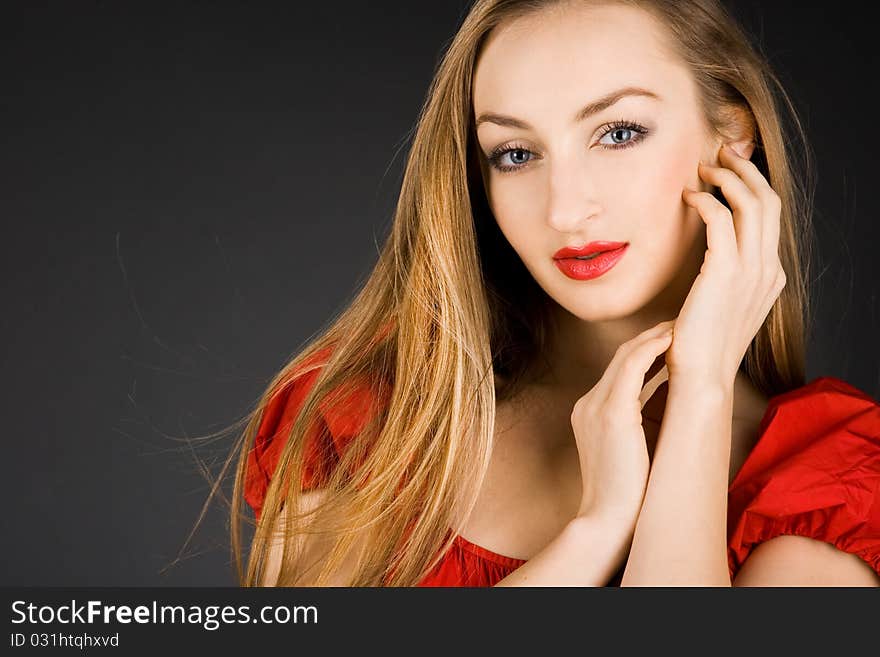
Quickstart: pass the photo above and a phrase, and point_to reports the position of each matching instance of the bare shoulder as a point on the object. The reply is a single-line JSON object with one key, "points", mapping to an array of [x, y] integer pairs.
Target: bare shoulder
{"points": [[802, 561], [315, 549]]}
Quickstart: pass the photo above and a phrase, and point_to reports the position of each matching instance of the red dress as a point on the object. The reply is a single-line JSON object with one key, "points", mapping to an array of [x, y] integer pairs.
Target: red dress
{"points": [[814, 471]]}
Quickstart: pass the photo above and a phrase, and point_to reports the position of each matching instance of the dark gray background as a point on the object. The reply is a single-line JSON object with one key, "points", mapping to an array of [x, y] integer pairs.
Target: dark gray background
{"points": [[190, 191]]}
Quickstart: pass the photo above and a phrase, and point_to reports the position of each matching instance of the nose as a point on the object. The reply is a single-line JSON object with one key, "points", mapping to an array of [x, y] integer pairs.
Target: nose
{"points": [[572, 199]]}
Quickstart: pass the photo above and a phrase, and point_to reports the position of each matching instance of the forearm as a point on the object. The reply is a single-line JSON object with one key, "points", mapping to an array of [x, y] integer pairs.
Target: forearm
{"points": [[585, 553], [680, 537]]}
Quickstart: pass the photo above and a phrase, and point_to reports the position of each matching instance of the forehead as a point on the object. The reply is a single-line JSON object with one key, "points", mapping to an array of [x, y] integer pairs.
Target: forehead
{"points": [[562, 57]]}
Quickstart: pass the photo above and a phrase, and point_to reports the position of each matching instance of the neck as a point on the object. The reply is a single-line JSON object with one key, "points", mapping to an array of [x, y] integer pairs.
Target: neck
{"points": [[581, 351]]}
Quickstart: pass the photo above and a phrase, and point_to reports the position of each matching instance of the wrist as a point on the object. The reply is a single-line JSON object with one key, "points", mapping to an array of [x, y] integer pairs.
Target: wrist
{"points": [[602, 536], [707, 388]]}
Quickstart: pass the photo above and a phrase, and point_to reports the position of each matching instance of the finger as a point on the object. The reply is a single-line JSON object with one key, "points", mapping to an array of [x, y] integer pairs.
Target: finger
{"points": [[610, 377], [651, 386], [761, 188], [632, 344], [654, 331], [747, 208], [772, 229], [772, 226], [720, 234], [629, 383], [749, 173]]}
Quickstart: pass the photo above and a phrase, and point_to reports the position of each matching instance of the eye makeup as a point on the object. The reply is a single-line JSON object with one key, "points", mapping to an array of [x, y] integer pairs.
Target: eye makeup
{"points": [[638, 132]]}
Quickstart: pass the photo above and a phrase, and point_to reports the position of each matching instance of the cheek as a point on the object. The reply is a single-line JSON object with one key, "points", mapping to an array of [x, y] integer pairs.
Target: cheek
{"points": [[515, 232], [675, 224], [517, 213]]}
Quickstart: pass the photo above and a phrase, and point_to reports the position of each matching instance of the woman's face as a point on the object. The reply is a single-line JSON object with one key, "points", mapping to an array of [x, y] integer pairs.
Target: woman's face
{"points": [[615, 175]]}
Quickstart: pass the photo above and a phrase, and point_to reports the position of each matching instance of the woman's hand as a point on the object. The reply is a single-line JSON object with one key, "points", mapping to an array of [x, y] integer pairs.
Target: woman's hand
{"points": [[607, 423], [741, 276]]}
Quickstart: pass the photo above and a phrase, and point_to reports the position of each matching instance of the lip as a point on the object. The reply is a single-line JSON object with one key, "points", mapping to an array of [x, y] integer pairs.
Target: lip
{"points": [[582, 270], [589, 249]]}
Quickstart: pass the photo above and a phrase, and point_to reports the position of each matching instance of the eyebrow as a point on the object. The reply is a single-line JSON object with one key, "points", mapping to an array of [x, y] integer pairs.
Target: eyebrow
{"points": [[588, 110]]}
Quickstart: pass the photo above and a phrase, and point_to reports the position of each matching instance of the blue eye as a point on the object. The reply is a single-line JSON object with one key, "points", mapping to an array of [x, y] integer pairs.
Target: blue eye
{"points": [[634, 130], [516, 153], [623, 133]]}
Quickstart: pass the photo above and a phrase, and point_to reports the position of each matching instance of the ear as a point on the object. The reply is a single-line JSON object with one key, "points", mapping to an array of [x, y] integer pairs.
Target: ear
{"points": [[743, 147], [739, 130]]}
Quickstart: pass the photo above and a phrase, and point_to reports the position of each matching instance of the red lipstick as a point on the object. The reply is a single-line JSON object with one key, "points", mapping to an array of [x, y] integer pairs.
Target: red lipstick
{"points": [[603, 256]]}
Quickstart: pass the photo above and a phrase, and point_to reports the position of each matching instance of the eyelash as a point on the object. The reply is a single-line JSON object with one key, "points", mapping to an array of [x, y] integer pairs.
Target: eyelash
{"points": [[640, 133]]}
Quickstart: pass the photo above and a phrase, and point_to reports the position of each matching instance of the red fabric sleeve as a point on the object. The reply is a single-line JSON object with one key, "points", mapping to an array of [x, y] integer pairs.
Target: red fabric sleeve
{"points": [[814, 472], [338, 424]]}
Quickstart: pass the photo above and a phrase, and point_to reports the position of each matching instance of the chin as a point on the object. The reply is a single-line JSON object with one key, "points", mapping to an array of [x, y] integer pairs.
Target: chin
{"points": [[600, 311], [599, 305], [631, 293]]}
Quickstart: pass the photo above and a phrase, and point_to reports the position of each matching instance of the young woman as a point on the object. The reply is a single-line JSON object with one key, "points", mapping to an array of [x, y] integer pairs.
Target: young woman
{"points": [[580, 357]]}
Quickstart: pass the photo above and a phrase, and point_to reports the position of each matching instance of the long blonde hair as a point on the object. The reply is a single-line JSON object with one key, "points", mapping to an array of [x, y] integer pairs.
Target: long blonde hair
{"points": [[449, 322]]}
